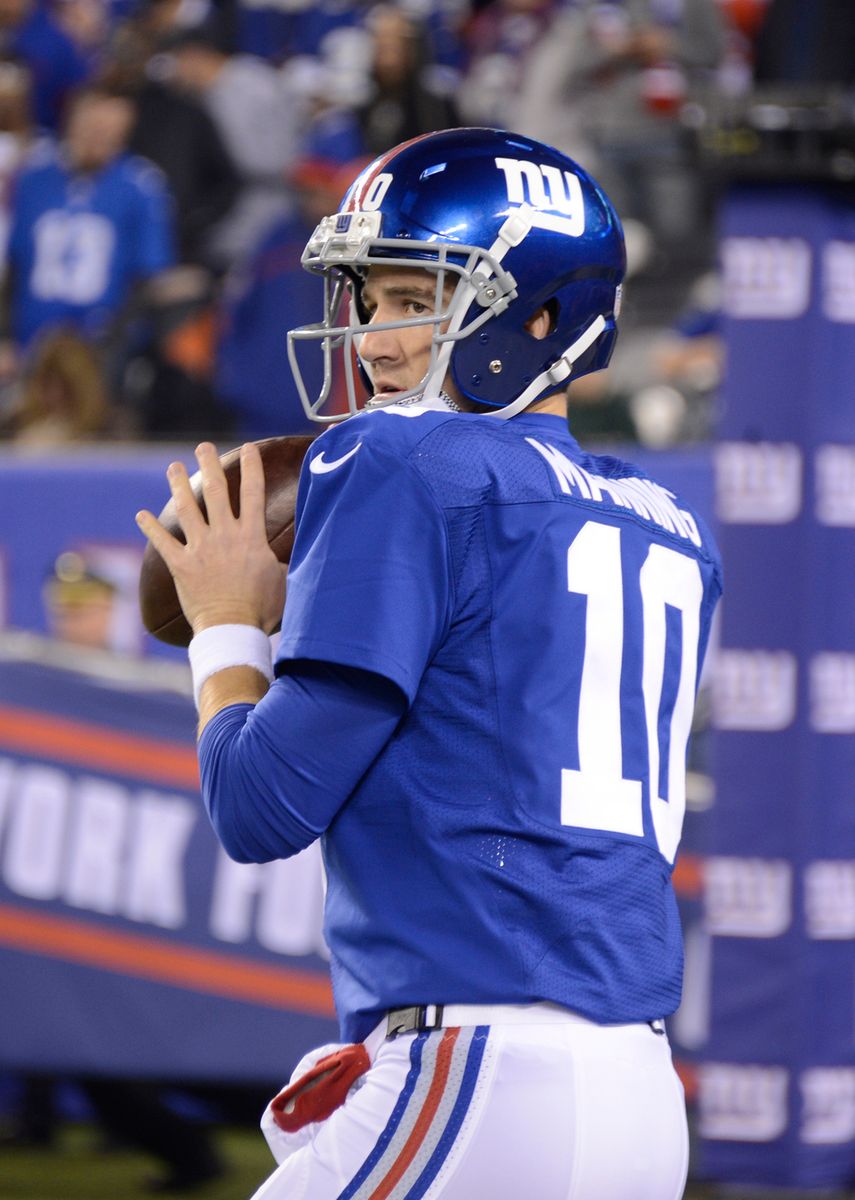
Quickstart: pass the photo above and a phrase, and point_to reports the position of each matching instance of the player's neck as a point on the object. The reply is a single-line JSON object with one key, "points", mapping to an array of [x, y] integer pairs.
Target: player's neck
{"points": [[555, 405]]}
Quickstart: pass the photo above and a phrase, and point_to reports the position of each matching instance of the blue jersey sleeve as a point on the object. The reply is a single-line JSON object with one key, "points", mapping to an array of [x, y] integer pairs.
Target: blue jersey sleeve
{"points": [[369, 583]]}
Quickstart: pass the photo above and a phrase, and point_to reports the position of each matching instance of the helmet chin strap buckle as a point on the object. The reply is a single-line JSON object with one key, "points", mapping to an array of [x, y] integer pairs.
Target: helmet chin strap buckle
{"points": [[561, 370]]}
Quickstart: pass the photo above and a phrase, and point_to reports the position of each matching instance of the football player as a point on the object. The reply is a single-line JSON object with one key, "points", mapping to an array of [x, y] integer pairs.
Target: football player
{"points": [[481, 700]]}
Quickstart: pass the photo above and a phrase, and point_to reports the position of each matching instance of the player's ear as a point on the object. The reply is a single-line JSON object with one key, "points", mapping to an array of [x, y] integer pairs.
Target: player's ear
{"points": [[541, 323]]}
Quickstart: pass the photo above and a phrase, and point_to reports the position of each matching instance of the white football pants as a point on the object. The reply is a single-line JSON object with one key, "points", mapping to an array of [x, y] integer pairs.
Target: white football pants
{"points": [[558, 1110]]}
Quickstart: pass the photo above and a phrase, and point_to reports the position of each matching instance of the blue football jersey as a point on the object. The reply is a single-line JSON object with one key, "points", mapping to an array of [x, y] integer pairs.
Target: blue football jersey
{"points": [[78, 243], [545, 613]]}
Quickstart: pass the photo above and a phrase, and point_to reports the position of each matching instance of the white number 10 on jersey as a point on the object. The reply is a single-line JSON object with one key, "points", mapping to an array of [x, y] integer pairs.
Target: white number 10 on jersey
{"points": [[597, 796]]}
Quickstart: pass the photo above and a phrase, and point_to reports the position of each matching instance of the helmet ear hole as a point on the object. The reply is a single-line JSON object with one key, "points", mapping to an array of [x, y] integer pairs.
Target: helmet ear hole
{"points": [[544, 321]]}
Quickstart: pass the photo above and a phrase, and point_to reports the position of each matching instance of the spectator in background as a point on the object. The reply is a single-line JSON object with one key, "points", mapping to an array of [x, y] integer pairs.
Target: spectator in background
{"points": [[90, 224], [258, 122], [393, 98], [62, 396], [18, 136], [278, 31], [29, 32], [403, 102], [164, 18], [662, 385], [742, 18], [175, 133], [79, 603], [87, 23], [606, 86], [500, 37], [168, 383], [331, 87]]}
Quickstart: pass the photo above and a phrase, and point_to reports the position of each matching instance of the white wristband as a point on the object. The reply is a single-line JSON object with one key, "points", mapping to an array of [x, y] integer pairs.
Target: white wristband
{"points": [[222, 646]]}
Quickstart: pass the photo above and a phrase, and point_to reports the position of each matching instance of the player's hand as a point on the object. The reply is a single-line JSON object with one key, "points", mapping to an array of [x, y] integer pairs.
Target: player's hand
{"points": [[226, 573]]}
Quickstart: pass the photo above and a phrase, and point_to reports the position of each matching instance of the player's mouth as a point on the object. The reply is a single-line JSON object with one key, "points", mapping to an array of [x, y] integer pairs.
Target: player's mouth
{"points": [[384, 387]]}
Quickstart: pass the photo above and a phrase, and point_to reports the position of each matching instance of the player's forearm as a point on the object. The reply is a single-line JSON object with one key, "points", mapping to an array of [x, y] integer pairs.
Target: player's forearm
{"points": [[244, 792], [275, 774]]}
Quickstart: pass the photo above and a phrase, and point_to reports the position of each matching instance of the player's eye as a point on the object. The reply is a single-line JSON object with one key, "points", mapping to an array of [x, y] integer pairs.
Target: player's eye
{"points": [[416, 307]]}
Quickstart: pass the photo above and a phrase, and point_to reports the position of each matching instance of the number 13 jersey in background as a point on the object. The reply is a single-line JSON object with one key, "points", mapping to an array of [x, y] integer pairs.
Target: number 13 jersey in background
{"points": [[545, 612]]}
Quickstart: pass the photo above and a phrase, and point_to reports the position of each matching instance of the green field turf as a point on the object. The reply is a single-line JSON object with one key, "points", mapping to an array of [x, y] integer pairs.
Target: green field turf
{"points": [[77, 1168]]}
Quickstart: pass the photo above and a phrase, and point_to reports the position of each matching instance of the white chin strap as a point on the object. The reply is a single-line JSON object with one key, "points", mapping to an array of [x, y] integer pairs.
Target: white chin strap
{"points": [[557, 374]]}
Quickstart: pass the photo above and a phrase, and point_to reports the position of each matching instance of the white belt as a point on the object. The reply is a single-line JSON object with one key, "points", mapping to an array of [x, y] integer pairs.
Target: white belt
{"points": [[441, 1016]]}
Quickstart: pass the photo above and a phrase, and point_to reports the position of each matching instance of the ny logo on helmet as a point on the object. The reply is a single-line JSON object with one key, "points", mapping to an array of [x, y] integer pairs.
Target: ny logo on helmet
{"points": [[543, 186]]}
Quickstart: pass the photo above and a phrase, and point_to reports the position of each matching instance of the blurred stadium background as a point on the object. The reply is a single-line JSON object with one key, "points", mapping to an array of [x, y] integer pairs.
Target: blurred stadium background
{"points": [[161, 165]]}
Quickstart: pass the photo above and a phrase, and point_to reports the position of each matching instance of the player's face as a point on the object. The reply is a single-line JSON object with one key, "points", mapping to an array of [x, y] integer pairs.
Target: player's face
{"points": [[398, 359]]}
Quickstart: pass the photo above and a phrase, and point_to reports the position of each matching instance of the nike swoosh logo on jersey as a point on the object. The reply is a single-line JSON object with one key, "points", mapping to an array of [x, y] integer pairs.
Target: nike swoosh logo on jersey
{"points": [[318, 467]]}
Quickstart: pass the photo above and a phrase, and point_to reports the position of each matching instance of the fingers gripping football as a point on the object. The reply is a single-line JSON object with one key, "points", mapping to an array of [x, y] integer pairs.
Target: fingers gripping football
{"points": [[281, 459], [225, 572]]}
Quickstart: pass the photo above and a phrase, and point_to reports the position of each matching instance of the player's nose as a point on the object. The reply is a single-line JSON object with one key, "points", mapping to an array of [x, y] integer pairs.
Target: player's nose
{"points": [[377, 345]]}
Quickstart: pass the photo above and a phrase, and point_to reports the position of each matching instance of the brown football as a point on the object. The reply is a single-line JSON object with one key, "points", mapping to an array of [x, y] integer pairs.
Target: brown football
{"points": [[282, 458]]}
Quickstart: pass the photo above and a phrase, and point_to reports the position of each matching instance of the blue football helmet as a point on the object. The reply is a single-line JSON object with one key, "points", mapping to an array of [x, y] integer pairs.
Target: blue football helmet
{"points": [[518, 224]]}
